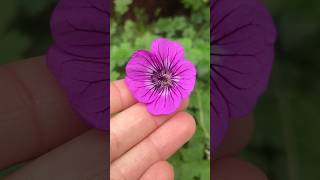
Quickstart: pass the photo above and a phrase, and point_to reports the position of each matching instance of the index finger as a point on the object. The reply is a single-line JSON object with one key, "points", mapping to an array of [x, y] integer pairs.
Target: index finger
{"points": [[35, 114], [120, 96], [236, 138]]}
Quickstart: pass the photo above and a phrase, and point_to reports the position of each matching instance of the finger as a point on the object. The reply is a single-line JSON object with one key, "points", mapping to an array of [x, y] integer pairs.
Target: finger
{"points": [[237, 137], [157, 147], [120, 96], [236, 169], [131, 126], [35, 115], [161, 170], [83, 158]]}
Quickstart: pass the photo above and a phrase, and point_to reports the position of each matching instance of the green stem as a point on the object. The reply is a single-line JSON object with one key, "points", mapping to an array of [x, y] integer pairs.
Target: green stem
{"points": [[288, 129], [201, 116]]}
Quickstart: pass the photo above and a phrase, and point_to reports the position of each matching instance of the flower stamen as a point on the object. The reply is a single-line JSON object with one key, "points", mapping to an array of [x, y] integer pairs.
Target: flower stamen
{"points": [[162, 79]]}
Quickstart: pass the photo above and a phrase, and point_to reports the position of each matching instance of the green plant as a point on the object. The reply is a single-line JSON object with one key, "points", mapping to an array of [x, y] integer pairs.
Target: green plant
{"points": [[191, 29]]}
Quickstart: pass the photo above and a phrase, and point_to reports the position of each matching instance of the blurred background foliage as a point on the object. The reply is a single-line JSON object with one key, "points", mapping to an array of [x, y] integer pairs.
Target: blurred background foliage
{"points": [[285, 143], [24, 28], [24, 32], [134, 25]]}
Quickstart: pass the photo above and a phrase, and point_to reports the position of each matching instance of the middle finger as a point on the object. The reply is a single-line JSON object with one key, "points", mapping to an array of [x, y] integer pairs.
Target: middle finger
{"points": [[158, 146], [131, 126]]}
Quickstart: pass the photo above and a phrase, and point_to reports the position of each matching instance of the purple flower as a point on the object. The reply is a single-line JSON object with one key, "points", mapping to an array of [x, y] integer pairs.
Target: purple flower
{"points": [[79, 57], [242, 40], [161, 78]]}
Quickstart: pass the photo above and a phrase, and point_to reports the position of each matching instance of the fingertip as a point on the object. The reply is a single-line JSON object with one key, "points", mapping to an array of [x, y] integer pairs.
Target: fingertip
{"points": [[168, 169], [185, 104], [233, 168], [173, 134], [189, 124], [241, 128], [161, 170], [120, 96]]}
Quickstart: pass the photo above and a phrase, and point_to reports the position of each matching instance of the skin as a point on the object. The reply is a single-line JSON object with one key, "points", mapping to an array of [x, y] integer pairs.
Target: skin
{"points": [[37, 123]]}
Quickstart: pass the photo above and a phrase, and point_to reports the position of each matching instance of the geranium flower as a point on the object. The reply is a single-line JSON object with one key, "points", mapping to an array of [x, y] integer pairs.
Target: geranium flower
{"points": [[242, 40], [161, 78], [79, 56]]}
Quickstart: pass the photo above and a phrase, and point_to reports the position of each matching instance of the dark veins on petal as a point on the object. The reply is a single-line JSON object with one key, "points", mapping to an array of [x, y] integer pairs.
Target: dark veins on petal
{"points": [[79, 56], [242, 39], [163, 76]]}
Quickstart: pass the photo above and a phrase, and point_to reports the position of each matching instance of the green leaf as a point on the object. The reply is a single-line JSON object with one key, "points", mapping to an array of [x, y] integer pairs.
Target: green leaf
{"points": [[191, 161], [14, 44], [194, 170], [122, 6], [192, 154], [36, 6], [8, 11]]}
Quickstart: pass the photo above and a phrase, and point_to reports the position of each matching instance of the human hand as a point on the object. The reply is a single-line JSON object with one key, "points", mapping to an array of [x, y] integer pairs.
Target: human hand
{"points": [[37, 122], [140, 143], [226, 163]]}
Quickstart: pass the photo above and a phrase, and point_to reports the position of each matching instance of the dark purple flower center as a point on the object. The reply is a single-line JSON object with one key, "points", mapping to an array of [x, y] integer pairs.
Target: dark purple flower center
{"points": [[162, 79]]}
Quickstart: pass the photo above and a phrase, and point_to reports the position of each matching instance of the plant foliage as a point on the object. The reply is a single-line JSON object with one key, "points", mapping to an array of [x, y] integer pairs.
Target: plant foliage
{"points": [[192, 31]]}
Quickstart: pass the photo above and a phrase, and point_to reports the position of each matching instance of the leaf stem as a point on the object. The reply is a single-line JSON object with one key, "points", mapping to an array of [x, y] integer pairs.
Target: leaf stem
{"points": [[201, 116]]}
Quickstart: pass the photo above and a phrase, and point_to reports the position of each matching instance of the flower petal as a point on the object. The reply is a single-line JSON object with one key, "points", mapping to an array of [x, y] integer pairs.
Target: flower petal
{"points": [[167, 51], [218, 115], [165, 103], [84, 80], [79, 57], [79, 27], [138, 72], [186, 78], [242, 39]]}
